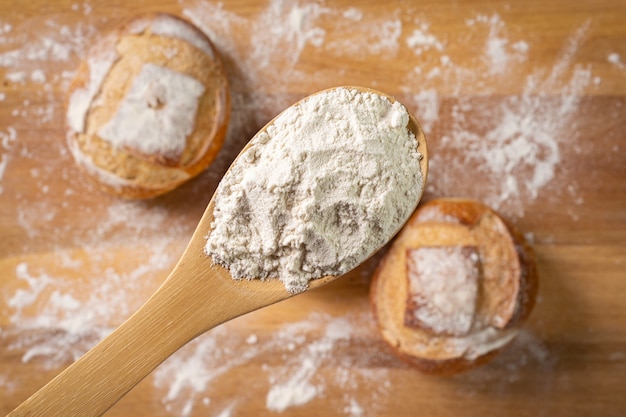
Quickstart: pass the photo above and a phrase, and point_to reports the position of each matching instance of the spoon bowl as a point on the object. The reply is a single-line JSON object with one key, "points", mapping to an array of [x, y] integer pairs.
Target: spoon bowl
{"points": [[197, 296]]}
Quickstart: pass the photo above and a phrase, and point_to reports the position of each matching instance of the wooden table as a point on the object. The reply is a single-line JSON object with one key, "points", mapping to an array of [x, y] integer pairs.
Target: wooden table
{"points": [[524, 107]]}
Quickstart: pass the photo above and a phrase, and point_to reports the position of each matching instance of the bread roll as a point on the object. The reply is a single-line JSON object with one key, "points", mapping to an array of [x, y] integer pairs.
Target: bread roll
{"points": [[149, 106], [454, 287]]}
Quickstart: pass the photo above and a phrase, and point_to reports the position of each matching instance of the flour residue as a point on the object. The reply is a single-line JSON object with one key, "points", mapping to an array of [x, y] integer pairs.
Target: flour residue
{"points": [[72, 315], [513, 147], [615, 59], [509, 151], [302, 362], [421, 39]]}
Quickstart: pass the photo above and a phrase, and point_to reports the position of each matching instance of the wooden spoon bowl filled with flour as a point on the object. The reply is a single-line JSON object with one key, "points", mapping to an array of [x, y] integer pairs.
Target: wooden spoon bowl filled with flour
{"points": [[319, 189], [315, 193]]}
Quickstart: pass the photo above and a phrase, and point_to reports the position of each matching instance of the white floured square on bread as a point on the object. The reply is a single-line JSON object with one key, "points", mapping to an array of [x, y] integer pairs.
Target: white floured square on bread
{"points": [[443, 285], [157, 114]]}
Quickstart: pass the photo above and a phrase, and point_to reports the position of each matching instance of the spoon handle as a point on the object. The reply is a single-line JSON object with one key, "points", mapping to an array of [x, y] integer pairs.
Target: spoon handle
{"points": [[189, 302]]}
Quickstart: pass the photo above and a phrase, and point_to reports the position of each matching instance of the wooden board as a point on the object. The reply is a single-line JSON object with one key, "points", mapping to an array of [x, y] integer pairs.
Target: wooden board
{"points": [[524, 108]]}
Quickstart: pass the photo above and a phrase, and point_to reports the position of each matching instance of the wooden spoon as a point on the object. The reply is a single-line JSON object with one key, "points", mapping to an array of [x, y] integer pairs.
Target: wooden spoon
{"points": [[196, 297]]}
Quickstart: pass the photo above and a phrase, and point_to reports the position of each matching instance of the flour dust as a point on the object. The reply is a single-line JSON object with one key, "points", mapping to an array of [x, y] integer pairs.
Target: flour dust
{"points": [[506, 151]]}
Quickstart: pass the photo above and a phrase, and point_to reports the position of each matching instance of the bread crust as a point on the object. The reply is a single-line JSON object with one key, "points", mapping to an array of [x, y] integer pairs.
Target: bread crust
{"points": [[457, 222], [104, 79]]}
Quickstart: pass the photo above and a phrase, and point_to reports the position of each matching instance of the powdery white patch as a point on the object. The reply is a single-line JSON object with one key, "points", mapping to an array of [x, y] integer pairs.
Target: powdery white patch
{"points": [[72, 315], [4, 160], [38, 76], [16, 77], [372, 36], [427, 103], [295, 391], [157, 114], [60, 311], [422, 40], [615, 59], [164, 26], [7, 140], [354, 409], [297, 387], [5, 28], [520, 46], [81, 98], [287, 27], [49, 42], [525, 352], [228, 411], [353, 14], [306, 349], [514, 145]]}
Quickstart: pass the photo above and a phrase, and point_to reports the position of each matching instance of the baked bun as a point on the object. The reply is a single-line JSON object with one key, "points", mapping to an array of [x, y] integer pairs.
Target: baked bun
{"points": [[454, 287], [149, 106]]}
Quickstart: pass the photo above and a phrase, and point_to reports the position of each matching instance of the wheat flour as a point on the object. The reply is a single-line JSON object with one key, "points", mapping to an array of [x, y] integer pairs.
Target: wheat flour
{"points": [[330, 181], [288, 33]]}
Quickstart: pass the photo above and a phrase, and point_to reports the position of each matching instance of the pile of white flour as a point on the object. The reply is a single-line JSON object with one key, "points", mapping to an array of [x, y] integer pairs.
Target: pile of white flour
{"points": [[330, 181]]}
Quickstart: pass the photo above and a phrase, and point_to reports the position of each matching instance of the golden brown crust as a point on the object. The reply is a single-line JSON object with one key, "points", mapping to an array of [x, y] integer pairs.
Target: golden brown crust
{"points": [[508, 286], [129, 171]]}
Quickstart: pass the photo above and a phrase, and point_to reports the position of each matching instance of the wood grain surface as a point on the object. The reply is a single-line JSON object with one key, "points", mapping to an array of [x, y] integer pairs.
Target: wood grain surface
{"points": [[524, 107]]}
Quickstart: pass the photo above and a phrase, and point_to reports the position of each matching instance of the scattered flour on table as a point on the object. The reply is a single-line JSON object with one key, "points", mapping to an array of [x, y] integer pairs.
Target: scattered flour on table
{"points": [[72, 315], [7, 142], [422, 40], [428, 104], [228, 411], [26, 53], [353, 409], [297, 387], [498, 51], [514, 168], [526, 353], [50, 42], [513, 147], [615, 59], [302, 361]]}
